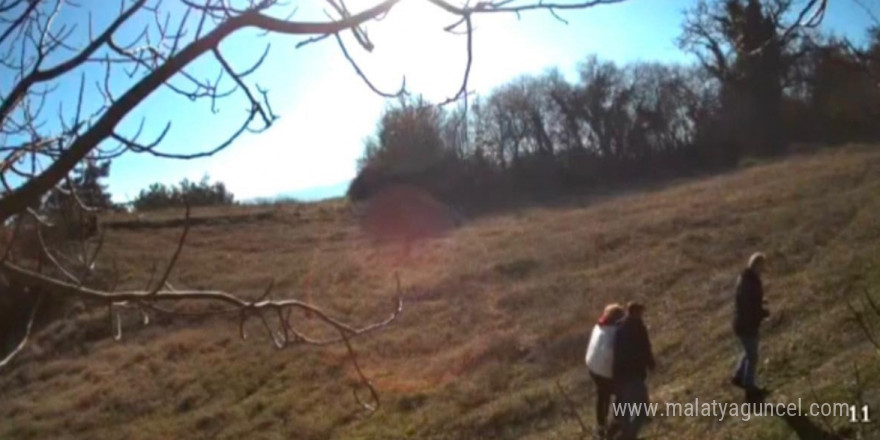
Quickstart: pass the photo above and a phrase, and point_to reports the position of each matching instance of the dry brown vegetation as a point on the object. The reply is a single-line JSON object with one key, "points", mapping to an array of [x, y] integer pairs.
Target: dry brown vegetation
{"points": [[496, 312]]}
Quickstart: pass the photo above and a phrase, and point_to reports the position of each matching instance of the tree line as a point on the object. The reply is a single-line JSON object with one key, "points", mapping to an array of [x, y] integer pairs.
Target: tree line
{"points": [[759, 84], [201, 193], [63, 211]]}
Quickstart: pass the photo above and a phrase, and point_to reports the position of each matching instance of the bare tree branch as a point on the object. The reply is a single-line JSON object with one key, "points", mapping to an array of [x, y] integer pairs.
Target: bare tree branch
{"points": [[164, 280], [462, 90], [244, 307], [27, 333], [103, 127], [399, 93]]}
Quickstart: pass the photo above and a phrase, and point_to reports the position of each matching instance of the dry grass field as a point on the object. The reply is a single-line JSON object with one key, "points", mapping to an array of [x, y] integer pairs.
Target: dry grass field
{"points": [[495, 313]]}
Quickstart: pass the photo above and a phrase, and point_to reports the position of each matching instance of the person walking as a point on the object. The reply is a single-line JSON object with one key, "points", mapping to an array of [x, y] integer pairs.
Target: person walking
{"points": [[633, 358], [747, 319], [600, 362]]}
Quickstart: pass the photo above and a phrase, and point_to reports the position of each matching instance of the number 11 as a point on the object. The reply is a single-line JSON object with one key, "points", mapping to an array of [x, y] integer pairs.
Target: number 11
{"points": [[854, 414]]}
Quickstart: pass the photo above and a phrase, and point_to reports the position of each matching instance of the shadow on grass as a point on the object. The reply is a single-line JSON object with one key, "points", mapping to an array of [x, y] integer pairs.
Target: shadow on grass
{"points": [[805, 429]]}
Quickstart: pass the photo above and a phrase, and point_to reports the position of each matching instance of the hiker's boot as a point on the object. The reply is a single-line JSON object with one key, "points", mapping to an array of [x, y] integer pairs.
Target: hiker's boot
{"points": [[737, 382], [756, 394]]}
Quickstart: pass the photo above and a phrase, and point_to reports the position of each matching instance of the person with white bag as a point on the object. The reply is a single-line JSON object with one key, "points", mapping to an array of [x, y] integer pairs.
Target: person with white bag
{"points": [[600, 361]]}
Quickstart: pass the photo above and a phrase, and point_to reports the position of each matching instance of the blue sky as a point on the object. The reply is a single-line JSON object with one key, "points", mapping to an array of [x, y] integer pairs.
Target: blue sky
{"points": [[326, 111]]}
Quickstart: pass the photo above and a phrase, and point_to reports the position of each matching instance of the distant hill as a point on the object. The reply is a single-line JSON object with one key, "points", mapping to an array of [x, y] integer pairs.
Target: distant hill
{"points": [[316, 193]]}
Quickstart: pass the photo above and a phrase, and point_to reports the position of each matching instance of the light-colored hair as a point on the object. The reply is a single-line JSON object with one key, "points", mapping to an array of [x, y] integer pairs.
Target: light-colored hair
{"points": [[612, 313], [755, 258]]}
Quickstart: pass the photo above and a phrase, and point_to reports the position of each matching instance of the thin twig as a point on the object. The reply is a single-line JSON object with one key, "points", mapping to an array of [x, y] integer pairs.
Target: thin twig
{"points": [[572, 409], [161, 284], [27, 333]]}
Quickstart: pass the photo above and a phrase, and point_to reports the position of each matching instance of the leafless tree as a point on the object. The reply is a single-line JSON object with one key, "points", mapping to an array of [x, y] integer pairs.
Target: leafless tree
{"points": [[41, 49], [750, 46], [715, 39]]}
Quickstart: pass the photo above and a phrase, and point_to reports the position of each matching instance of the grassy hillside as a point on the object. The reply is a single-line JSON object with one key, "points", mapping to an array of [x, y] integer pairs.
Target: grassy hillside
{"points": [[495, 313]]}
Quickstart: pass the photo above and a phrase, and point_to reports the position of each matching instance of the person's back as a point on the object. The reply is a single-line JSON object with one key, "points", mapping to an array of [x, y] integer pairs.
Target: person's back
{"points": [[633, 358], [600, 351], [632, 354], [749, 304]]}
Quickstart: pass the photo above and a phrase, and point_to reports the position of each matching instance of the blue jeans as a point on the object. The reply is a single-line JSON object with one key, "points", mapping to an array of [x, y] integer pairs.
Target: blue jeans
{"points": [[749, 362], [632, 391]]}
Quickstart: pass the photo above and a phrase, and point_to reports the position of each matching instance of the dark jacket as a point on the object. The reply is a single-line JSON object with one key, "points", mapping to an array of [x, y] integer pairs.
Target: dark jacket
{"points": [[632, 350], [749, 305]]}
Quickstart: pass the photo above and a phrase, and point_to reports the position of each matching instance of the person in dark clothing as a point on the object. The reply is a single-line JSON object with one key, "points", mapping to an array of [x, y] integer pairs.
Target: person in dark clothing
{"points": [[749, 313], [633, 358]]}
